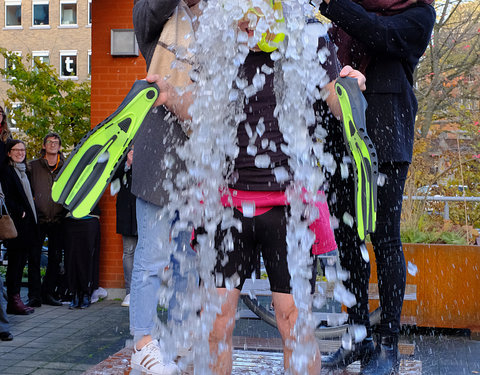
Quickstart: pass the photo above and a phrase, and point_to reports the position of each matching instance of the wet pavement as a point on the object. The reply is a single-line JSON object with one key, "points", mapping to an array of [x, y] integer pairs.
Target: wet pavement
{"points": [[56, 340]]}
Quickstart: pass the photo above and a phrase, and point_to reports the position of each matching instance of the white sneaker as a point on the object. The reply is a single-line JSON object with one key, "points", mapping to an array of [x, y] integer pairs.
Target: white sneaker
{"points": [[126, 301], [149, 359]]}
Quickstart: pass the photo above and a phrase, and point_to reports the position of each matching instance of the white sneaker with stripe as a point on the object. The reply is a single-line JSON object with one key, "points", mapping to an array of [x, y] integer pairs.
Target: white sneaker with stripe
{"points": [[150, 360]]}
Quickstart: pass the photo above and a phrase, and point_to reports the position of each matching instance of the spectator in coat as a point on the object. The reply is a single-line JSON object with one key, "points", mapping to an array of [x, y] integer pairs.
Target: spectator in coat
{"points": [[50, 214], [19, 201]]}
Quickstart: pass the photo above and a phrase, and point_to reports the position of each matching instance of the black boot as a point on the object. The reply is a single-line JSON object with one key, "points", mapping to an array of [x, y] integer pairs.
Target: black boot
{"points": [[385, 359], [342, 357]]}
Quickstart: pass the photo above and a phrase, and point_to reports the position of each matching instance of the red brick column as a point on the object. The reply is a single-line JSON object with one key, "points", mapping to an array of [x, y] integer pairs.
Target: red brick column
{"points": [[112, 78]]}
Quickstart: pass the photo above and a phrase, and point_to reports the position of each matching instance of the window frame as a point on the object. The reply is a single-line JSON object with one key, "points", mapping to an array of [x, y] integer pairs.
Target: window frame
{"points": [[40, 54], [12, 3], [18, 53], [89, 63], [68, 25], [40, 2], [89, 13], [68, 53]]}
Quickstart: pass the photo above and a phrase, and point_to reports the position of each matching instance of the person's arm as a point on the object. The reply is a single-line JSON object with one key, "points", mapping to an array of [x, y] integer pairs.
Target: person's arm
{"points": [[332, 98], [149, 16], [398, 35], [169, 97]]}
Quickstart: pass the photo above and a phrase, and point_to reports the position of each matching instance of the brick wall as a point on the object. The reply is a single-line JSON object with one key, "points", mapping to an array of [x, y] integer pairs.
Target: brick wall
{"points": [[112, 78]]}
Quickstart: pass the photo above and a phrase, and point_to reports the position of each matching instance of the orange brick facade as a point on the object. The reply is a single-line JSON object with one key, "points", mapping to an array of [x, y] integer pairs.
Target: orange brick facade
{"points": [[112, 78]]}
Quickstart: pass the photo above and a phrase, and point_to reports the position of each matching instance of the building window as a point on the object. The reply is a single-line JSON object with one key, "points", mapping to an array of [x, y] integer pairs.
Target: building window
{"points": [[68, 64], [89, 12], [10, 63], [40, 56], [12, 123], [40, 13], [68, 13], [13, 13], [89, 63]]}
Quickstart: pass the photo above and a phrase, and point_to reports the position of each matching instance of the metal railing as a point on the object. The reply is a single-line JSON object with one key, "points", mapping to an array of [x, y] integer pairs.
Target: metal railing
{"points": [[441, 198]]}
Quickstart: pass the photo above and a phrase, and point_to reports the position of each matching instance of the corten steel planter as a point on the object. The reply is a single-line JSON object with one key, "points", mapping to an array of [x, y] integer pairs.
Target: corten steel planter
{"points": [[445, 292]]}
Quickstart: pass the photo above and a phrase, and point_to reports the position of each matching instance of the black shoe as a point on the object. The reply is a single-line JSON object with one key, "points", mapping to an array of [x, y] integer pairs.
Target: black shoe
{"points": [[34, 302], [48, 299], [385, 359], [6, 336], [342, 357]]}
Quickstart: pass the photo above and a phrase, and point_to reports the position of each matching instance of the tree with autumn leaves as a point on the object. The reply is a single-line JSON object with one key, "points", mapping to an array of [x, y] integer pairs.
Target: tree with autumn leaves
{"points": [[447, 145], [38, 102]]}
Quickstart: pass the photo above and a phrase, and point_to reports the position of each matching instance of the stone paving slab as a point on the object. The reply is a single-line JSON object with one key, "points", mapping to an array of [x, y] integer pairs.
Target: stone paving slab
{"points": [[56, 340]]}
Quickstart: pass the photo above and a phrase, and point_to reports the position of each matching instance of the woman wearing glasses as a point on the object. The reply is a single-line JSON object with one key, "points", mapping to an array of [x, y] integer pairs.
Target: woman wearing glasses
{"points": [[19, 201]]}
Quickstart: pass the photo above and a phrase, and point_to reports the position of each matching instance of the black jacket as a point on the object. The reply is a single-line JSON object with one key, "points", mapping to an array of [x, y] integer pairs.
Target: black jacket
{"points": [[126, 202], [17, 204], [157, 139], [395, 44]]}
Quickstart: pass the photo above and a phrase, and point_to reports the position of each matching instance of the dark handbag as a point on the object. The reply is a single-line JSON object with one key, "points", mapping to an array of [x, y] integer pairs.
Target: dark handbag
{"points": [[7, 227]]}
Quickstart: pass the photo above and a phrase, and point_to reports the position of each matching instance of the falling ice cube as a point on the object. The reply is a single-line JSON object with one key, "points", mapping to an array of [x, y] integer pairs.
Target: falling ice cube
{"points": [[103, 158], [348, 219], [252, 150], [364, 251], [262, 161], [412, 268], [258, 81], [344, 170], [250, 90], [347, 341], [281, 174], [264, 143], [266, 69], [260, 127], [330, 274], [358, 331], [115, 186], [248, 208], [381, 179]]}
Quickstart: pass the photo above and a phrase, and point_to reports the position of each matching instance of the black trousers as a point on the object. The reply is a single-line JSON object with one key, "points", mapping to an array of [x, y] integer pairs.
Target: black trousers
{"points": [[19, 252], [81, 245], [386, 241], [54, 233]]}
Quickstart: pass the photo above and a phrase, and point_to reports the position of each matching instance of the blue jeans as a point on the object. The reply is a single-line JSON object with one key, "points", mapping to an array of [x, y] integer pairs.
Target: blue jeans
{"points": [[153, 253], [4, 325], [129, 245]]}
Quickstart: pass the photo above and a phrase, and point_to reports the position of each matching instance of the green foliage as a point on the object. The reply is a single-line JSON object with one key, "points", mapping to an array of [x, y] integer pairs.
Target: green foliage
{"points": [[47, 103]]}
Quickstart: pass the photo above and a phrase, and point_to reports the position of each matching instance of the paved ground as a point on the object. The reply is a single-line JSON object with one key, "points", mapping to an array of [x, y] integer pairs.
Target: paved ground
{"points": [[56, 340]]}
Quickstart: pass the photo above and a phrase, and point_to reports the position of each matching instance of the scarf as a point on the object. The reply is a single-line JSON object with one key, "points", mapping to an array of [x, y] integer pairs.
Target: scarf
{"points": [[20, 169], [353, 52]]}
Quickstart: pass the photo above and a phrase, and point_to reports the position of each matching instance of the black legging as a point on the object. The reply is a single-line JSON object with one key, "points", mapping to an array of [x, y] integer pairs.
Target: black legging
{"points": [[386, 242]]}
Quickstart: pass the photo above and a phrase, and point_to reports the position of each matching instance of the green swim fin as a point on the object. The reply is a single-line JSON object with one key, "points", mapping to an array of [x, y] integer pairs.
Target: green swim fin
{"points": [[90, 167], [362, 152]]}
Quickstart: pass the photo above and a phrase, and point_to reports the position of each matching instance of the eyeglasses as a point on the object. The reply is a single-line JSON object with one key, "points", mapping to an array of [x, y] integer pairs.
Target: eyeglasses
{"points": [[18, 150], [52, 142]]}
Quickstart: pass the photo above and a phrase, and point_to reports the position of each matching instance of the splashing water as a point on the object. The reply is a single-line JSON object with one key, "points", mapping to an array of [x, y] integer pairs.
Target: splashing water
{"points": [[219, 51]]}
